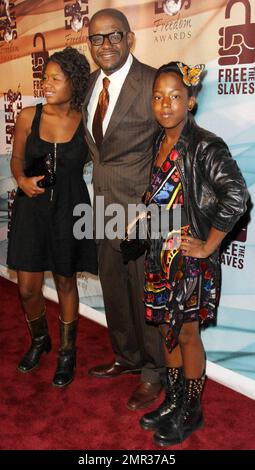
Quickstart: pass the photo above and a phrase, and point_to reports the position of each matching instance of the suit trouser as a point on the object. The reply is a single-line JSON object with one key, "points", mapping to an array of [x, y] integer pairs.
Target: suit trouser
{"points": [[134, 342]]}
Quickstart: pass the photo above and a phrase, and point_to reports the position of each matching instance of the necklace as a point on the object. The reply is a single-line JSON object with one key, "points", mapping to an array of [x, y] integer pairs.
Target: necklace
{"points": [[54, 169]]}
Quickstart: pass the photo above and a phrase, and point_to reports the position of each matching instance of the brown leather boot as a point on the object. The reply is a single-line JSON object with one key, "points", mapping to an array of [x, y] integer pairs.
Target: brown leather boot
{"points": [[41, 343], [67, 354]]}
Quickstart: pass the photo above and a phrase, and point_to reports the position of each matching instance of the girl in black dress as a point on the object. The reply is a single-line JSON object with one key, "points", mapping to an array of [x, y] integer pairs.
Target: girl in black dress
{"points": [[41, 235]]}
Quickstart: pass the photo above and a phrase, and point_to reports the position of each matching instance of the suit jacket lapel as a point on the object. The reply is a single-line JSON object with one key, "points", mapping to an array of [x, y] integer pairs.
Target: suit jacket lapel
{"points": [[91, 85], [126, 97], [92, 80]]}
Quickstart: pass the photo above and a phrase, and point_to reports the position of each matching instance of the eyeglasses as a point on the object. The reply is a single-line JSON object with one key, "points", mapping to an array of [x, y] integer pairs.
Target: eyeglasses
{"points": [[113, 38]]}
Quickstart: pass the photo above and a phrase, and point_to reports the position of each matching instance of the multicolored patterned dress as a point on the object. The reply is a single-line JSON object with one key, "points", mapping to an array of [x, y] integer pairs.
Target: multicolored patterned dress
{"points": [[178, 288]]}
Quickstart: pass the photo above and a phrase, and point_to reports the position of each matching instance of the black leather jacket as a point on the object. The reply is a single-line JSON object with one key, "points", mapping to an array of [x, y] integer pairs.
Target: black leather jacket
{"points": [[215, 193]]}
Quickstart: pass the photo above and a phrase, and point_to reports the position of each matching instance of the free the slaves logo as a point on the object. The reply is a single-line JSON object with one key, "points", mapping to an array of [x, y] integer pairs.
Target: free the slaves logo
{"points": [[237, 48], [234, 254], [236, 77], [172, 28], [38, 59], [12, 107]]}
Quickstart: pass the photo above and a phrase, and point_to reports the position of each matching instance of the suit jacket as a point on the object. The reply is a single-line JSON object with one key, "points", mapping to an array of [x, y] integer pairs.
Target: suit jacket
{"points": [[121, 167]]}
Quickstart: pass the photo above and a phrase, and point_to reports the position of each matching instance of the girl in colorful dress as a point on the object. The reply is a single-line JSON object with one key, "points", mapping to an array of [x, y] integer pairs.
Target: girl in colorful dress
{"points": [[193, 172]]}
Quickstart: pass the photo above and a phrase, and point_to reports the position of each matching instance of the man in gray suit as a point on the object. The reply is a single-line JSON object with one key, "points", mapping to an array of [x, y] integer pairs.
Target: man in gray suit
{"points": [[121, 171]]}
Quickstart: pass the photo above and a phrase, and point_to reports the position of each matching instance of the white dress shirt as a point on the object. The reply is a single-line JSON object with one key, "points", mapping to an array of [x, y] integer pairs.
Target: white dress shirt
{"points": [[116, 82]]}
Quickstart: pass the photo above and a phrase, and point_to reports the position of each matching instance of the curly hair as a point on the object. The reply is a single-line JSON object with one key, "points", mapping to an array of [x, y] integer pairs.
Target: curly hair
{"points": [[76, 67]]}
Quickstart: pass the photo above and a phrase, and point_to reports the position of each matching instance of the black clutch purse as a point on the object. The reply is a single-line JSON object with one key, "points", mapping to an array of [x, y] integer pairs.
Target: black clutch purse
{"points": [[44, 165], [137, 242]]}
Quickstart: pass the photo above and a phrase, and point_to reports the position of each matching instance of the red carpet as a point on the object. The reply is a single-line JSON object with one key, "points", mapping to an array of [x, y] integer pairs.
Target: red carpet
{"points": [[91, 413]]}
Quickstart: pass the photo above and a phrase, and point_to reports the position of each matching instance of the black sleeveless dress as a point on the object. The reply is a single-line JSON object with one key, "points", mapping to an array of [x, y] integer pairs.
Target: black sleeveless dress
{"points": [[41, 234]]}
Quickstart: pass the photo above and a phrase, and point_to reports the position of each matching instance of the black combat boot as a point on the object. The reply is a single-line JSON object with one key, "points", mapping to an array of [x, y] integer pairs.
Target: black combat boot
{"points": [[41, 343], [186, 420], [173, 399], [67, 354]]}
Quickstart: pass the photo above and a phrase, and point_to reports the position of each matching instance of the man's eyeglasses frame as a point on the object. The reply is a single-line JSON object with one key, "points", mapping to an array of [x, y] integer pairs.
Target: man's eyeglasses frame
{"points": [[109, 36]]}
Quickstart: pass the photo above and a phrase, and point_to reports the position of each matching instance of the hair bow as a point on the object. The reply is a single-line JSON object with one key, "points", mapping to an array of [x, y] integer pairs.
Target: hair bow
{"points": [[191, 75]]}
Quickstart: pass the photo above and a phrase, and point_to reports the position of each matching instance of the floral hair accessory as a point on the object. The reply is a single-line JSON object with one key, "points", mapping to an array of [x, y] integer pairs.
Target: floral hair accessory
{"points": [[191, 75]]}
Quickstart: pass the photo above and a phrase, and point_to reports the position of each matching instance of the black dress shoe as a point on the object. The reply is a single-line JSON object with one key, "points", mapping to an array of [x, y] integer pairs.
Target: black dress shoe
{"points": [[114, 369], [144, 395]]}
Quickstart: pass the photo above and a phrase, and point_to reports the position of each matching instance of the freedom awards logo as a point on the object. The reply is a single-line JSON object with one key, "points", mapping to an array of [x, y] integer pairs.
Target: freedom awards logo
{"points": [[76, 14], [174, 27], [237, 52], [8, 30], [76, 19], [171, 7]]}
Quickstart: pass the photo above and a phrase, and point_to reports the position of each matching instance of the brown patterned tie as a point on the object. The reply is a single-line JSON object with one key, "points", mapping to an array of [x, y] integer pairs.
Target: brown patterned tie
{"points": [[102, 105]]}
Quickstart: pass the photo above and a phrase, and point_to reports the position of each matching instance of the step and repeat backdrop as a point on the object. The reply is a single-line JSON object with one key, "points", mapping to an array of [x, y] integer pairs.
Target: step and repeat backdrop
{"points": [[218, 33]]}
